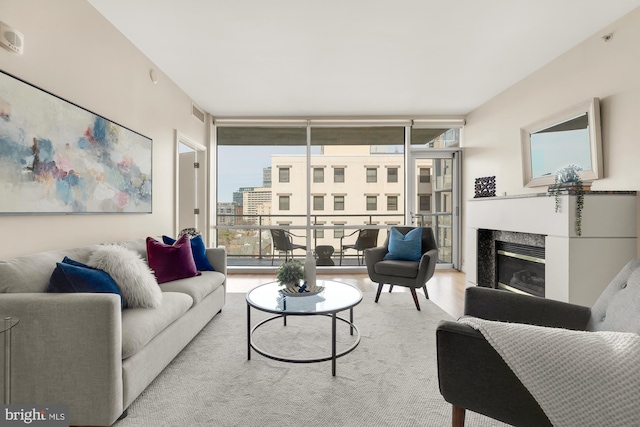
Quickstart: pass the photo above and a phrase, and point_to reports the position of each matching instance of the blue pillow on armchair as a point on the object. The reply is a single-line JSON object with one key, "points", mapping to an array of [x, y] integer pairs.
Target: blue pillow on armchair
{"points": [[73, 276], [404, 247], [198, 249]]}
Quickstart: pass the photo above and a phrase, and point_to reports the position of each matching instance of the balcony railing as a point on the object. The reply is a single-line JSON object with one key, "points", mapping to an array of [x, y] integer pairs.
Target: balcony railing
{"points": [[247, 238]]}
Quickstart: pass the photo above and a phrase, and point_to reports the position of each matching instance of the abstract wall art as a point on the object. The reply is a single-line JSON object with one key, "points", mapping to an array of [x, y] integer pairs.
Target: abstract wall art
{"points": [[59, 158]]}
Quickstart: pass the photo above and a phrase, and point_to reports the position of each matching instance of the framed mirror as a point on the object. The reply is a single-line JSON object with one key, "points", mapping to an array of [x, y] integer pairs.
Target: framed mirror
{"points": [[569, 137]]}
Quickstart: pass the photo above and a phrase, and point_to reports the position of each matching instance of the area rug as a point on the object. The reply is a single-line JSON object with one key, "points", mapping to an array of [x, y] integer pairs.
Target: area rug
{"points": [[390, 379]]}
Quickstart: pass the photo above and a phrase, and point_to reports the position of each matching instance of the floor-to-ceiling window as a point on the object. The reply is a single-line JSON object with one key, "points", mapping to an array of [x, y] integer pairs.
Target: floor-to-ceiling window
{"points": [[323, 182], [360, 161], [259, 169]]}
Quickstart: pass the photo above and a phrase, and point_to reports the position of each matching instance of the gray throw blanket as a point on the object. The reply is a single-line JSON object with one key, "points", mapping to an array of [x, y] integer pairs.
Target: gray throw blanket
{"points": [[578, 378]]}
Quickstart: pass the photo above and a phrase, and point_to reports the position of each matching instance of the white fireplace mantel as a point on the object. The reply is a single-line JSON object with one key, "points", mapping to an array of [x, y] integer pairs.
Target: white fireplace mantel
{"points": [[577, 268]]}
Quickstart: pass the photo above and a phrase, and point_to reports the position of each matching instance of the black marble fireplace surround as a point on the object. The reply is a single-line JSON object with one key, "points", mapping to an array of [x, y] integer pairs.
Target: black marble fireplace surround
{"points": [[487, 254]]}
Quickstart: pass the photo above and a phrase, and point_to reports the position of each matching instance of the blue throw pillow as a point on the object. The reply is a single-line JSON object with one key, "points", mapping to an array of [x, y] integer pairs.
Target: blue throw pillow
{"points": [[406, 247], [199, 252], [73, 276], [70, 261]]}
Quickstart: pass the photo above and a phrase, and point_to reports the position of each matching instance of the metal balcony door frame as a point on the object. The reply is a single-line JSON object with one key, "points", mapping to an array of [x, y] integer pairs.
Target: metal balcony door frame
{"points": [[415, 154]]}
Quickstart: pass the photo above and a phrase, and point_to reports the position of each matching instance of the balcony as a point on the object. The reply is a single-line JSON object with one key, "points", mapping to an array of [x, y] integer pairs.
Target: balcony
{"points": [[247, 238]]}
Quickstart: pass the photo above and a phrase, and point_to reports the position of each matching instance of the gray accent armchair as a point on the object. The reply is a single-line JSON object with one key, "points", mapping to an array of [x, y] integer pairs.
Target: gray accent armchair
{"points": [[410, 274], [473, 376]]}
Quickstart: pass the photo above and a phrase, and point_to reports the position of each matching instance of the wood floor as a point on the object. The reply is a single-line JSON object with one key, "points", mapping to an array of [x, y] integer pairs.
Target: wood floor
{"points": [[446, 287]]}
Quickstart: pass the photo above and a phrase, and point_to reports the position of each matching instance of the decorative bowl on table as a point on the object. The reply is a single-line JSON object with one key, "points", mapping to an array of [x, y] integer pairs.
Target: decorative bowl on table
{"points": [[294, 291]]}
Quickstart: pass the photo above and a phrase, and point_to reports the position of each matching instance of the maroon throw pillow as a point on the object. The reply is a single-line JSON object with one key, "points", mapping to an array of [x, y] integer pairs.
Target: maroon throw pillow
{"points": [[171, 262]]}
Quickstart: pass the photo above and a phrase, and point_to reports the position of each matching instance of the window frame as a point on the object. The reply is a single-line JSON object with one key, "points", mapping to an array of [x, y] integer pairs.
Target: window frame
{"points": [[320, 177], [394, 176], [281, 198], [371, 178], [427, 177], [410, 149], [286, 179], [375, 203], [389, 205], [321, 203], [428, 197]]}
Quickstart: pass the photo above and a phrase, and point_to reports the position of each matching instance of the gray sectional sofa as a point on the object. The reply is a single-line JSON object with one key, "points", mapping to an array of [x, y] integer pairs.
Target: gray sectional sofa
{"points": [[82, 349]]}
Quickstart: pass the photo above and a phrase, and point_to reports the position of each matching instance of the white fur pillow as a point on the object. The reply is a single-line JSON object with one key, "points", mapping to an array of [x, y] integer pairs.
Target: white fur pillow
{"points": [[132, 274]]}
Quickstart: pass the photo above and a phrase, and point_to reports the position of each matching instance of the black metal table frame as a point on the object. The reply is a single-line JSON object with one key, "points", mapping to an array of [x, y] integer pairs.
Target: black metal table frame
{"points": [[334, 318]]}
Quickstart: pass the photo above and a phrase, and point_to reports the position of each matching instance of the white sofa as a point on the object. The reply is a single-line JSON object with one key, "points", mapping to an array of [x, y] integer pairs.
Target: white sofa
{"points": [[82, 349]]}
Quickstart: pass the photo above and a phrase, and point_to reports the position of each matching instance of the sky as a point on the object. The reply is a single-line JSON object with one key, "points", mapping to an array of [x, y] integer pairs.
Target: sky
{"points": [[241, 166]]}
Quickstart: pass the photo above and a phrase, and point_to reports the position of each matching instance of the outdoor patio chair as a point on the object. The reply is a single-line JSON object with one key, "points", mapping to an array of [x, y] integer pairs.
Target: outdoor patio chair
{"points": [[367, 238], [283, 242]]}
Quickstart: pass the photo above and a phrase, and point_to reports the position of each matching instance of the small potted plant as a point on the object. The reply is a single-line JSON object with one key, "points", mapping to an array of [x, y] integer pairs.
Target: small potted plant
{"points": [[568, 178], [290, 273]]}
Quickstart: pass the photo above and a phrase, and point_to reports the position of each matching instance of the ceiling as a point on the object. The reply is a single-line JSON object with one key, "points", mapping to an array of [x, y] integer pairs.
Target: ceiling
{"points": [[353, 57]]}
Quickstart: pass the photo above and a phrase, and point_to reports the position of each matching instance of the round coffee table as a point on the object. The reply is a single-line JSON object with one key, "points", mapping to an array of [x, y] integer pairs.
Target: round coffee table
{"points": [[335, 297]]}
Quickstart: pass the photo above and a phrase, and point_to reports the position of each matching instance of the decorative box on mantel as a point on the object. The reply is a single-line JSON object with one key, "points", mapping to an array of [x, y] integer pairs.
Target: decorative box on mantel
{"points": [[577, 268]]}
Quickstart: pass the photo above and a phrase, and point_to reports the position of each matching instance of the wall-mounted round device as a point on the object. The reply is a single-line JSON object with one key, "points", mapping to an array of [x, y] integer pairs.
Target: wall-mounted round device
{"points": [[11, 39]]}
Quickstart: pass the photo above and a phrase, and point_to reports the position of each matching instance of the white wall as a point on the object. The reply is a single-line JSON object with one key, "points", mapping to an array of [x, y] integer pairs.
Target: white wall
{"points": [[73, 52], [609, 71]]}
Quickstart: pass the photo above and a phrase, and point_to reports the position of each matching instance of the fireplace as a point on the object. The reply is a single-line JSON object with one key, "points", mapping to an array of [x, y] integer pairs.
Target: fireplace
{"points": [[516, 253], [520, 268], [577, 268]]}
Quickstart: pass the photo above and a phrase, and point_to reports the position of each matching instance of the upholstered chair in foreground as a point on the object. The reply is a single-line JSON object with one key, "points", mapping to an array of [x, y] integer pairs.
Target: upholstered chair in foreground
{"points": [[473, 375], [407, 258]]}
